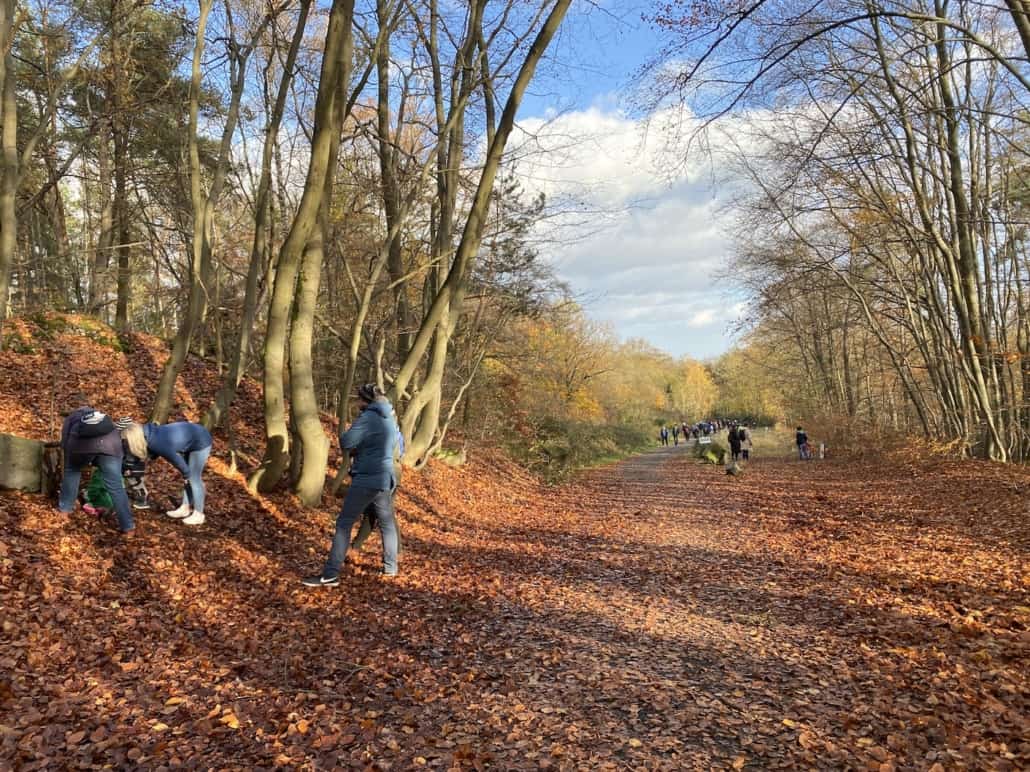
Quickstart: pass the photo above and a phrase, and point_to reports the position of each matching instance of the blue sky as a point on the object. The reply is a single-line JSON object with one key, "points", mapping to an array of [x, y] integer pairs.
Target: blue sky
{"points": [[648, 260]]}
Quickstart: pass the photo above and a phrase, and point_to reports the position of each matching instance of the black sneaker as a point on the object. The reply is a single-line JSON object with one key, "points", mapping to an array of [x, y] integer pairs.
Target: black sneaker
{"points": [[320, 581], [140, 504]]}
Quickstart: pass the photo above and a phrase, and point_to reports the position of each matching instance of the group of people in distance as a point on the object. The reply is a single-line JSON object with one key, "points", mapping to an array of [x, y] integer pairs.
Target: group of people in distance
{"points": [[119, 451], [738, 435], [665, 433], [687, 431]]}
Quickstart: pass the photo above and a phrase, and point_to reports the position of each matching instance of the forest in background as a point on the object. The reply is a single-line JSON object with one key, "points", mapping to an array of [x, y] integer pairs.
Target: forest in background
{"points": [[875, 152], [319, 195]]}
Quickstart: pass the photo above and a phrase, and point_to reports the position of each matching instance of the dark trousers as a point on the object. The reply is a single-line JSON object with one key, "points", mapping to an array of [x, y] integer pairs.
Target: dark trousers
{"points": [[356, 502], [369, 524], [111, 473], [369, 521]]}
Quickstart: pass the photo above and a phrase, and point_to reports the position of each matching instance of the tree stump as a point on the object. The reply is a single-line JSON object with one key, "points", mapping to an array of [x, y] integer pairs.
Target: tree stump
{"points": [[53, 469]]}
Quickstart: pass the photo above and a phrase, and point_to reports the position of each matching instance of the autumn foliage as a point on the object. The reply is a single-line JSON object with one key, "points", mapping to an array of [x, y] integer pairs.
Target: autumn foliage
{"points": [[655, 614]]}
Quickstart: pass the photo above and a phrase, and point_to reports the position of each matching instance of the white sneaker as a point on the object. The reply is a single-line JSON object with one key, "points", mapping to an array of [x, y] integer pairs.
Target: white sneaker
{"points": [[197, 518], [182, 511]]}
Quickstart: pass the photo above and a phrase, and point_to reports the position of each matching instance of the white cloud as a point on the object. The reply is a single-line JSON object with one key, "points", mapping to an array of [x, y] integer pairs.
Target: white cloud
{"points": [[644, 245], [702, 318]]}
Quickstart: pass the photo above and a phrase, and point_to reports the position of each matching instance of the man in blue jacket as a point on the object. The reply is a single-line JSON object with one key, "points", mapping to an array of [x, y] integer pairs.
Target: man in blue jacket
{"points": [[372, 437]]}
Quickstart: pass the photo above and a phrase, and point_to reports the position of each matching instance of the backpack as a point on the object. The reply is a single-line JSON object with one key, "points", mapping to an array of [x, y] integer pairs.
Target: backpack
{"points": [[741, 434], [93, 424]]}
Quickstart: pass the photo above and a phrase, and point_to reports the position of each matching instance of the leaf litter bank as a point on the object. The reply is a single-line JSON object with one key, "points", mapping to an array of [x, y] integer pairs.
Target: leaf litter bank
{"points": [[651, 615]]}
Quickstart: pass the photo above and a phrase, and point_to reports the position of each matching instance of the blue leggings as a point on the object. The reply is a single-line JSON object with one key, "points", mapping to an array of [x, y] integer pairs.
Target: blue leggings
{"points": [[194, 490]]}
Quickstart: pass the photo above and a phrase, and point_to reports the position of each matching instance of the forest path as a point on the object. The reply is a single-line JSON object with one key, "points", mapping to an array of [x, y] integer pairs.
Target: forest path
{"points": [[824, 613], [652, 614]]}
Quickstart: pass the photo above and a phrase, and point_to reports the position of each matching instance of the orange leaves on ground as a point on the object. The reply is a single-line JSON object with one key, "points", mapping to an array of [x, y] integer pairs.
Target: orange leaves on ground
{"points": [[652, 615]]}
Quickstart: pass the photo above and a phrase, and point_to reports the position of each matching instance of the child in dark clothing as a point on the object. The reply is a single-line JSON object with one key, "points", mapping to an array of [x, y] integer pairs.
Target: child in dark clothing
{"points": [[133, 472]]}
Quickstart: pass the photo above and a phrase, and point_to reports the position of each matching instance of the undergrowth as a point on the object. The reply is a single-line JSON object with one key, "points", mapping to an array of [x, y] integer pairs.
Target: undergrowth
{"points": [[560, 447]]}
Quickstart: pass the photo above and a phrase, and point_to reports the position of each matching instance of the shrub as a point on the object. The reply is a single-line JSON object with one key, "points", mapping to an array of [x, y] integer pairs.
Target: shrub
{"points": [[713, 453], [558, 447]]}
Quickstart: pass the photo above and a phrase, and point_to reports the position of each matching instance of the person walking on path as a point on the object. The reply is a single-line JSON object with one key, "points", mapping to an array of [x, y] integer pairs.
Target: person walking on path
{"points": [[663, 435], [744, 435], [184, 445], [90, 438], [801, 439], [675, 434], [372, 437], [734, 439]]}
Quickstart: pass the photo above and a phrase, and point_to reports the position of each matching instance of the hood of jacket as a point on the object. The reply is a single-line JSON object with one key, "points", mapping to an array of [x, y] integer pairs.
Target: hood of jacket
{"points": [[382, 407]]}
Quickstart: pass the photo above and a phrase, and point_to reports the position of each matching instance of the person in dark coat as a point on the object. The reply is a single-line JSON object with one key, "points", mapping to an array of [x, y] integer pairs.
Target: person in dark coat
{"points": [[801, 440], [734, 439], [90, 438], [744, 436], [372, 437]]}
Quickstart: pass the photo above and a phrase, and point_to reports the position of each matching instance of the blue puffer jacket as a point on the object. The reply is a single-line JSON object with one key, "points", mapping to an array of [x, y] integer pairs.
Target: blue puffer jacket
{"points": [[372, 436], [173, 441]]}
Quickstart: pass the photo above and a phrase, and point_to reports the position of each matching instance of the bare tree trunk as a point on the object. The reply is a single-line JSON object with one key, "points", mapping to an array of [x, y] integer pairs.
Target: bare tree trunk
{"points": [[314, 445], [309, 484], [203, 206], [118, 103], [260, 245], [1021, 17], [183, 338], [9, 172], [452, 293], [976, 342], [338, 35], [102, 259], [121, 216]]}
